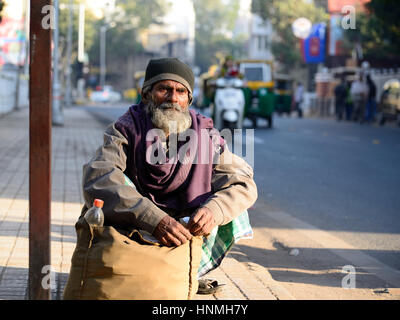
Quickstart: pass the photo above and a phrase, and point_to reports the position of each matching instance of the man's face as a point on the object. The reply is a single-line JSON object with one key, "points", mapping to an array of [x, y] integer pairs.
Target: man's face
{"points": [[170, 91], [169, 102]]}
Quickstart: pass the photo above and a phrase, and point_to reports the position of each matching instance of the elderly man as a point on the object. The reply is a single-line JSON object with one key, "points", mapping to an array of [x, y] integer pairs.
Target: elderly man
{"points": [[211, 194]]}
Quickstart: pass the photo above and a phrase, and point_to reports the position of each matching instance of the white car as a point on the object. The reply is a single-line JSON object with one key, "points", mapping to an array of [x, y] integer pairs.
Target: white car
{"points": [[107, 94]]}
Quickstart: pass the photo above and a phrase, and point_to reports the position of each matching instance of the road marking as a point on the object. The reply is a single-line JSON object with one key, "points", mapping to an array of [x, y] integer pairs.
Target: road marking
{"points": [[345, 250]]}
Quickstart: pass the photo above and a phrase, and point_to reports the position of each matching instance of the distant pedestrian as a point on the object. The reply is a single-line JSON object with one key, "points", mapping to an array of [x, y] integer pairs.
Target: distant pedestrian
{"points": [[298, 99], [340, 99], [371, 100], [349, 102], [358, 93]]}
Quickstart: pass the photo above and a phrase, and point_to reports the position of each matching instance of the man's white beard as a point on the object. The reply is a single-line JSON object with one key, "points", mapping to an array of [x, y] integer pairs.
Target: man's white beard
{"points": [[164, 118]]}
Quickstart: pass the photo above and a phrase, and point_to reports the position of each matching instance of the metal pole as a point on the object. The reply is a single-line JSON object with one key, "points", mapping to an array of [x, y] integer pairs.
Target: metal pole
{"points": [[103, 55], [68, 94], [81, 54], [27, 14], [58, 116], [17, 86], [81, 38], [39, 151], [20, 55]]}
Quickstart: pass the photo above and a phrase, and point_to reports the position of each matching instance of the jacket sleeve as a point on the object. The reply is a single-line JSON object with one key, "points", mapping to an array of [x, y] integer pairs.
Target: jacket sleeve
{"points": [[103, 178], [233, 187]]}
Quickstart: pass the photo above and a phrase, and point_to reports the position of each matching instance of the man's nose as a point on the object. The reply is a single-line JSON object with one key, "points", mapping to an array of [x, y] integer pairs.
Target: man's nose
{"points": [[173, 96]]}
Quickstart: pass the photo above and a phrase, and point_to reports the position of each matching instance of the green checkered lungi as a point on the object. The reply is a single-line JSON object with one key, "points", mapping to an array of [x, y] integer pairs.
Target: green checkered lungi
{"points": [[220, 241]]}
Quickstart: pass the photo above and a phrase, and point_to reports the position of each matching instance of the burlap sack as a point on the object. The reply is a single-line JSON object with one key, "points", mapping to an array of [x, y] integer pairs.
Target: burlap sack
{"points": [[109, 265]]}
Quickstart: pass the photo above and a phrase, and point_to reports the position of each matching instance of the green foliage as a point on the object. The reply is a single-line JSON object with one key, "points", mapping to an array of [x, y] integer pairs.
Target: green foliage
{"points": [[122, 36], [378, 30], [262, 7], [1, 9], [281, 14], [124, 25], [140, 14], [90, 30], [215, 21], [212, 52]]}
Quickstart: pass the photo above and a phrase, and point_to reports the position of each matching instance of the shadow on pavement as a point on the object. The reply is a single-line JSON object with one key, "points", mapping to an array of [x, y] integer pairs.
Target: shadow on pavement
{"points": [[320, 267], [14, 283]]}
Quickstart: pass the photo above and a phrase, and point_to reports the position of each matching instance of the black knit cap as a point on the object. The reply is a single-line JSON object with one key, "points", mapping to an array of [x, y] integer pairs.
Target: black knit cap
{"points": [[169, 69]]}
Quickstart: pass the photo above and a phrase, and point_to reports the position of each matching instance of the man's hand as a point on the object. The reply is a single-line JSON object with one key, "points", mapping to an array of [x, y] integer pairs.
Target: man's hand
{"points": [[201, 222], [171, 233]]}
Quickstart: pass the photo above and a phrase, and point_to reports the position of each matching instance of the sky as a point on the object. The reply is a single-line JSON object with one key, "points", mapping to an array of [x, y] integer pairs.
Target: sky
{"points": [[180, 7]]}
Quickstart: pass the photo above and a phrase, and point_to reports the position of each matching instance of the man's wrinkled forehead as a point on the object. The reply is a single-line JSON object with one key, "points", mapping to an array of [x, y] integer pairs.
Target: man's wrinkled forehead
{"points": [[169, 84]]}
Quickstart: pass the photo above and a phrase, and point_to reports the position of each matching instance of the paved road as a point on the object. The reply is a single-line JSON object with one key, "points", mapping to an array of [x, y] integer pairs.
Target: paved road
{"points": [[339, 178]]}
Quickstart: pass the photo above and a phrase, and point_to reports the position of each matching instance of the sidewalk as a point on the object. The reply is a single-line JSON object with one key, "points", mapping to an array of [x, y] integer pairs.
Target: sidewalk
{"points": [[72, 146]]}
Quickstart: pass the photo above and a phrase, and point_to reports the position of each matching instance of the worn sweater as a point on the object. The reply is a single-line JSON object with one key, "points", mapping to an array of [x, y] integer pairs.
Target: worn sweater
{"points": [[233, 189]]}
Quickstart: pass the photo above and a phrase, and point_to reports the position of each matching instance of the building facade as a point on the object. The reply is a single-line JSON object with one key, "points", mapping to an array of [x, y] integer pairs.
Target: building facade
{"points": [[175, 36], [260, 39]]}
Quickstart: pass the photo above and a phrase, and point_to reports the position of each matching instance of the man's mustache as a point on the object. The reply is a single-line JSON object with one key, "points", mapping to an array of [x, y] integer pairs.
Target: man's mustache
{"points": [[168, 105]]}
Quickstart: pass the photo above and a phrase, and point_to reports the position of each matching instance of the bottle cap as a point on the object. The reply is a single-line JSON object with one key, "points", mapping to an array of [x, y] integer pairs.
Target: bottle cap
{"points": [[98, 203]]}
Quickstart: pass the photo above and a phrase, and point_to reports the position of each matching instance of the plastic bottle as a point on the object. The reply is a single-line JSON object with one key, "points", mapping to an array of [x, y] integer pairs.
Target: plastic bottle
{"points": [[95, 216]]}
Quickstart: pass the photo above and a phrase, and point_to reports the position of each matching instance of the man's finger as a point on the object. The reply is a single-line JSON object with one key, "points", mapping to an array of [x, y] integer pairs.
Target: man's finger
{"points": [[196, 217], [185, 232], [205, 220], [181, 237], [172, 240], [179, 231], [164, 241], [205, 229], [198, 222]]}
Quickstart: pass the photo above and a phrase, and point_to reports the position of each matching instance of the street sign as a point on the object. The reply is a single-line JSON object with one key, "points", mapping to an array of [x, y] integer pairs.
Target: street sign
{"points": [[313, 47]]}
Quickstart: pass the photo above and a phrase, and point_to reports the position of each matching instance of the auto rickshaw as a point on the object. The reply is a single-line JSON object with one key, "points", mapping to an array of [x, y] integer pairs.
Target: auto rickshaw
{"points": [[134, 94], [389, 107], [207, 87], [283, 93], [138, 79], [259, 89]]}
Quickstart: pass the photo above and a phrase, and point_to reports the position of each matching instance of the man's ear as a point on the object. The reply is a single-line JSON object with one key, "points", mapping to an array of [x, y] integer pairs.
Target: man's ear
{"points": [[190, 99], [144, 99], [146, 95]]}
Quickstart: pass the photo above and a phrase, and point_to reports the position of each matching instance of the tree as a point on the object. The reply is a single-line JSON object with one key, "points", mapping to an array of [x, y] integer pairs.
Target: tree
{"points": [[1, 9], [377, 30], [129, 18], [215, 20], [90, 34], [124, 24], [281, 14]]}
